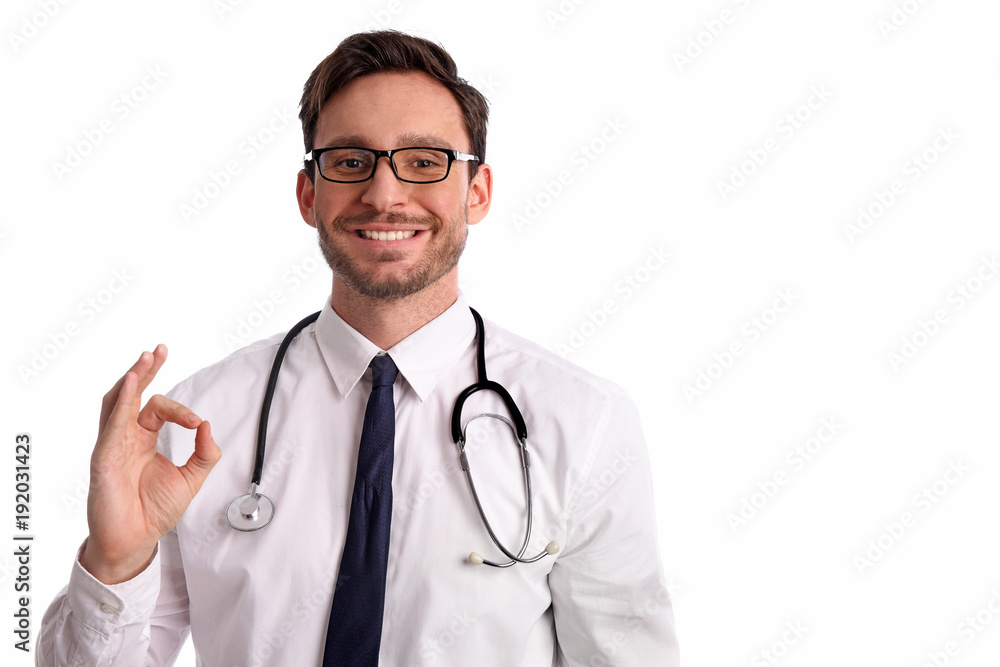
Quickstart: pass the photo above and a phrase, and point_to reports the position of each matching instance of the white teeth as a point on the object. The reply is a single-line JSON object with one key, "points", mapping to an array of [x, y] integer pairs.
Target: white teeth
{"points": [[388, 236]]}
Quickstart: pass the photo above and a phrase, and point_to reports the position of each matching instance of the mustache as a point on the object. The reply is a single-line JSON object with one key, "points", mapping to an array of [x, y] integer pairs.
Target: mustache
{"points": [[392, 218]]}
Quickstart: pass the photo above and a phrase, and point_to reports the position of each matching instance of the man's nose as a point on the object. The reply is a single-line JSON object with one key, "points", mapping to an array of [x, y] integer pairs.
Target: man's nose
{"points": [[384, 190]]}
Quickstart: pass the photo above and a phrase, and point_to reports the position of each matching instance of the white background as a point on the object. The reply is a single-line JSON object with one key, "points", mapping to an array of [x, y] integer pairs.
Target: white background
{"points": [[672, 132]]}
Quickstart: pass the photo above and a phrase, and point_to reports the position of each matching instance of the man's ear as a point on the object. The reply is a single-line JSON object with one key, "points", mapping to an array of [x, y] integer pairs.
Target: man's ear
{"points": [[480, 194], [305, 192]]}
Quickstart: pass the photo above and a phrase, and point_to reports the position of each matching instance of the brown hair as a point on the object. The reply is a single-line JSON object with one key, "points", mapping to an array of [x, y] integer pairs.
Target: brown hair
{"points": [[367, 53]]}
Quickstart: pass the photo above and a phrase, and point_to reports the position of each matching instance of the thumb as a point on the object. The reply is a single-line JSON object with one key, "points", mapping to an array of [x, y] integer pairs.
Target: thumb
{"points": [[206, 454]]}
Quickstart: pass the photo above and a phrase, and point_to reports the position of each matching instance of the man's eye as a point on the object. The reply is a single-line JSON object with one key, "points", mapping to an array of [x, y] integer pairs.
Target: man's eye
{"points": [[425, 161]]}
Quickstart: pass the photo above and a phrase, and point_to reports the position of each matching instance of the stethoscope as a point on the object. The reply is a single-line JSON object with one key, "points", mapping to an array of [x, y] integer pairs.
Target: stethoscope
{"points": [[254, 510]]}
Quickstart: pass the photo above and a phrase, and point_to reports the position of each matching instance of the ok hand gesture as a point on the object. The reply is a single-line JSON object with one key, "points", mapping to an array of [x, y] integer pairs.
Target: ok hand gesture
{"points": [[136, 494]]}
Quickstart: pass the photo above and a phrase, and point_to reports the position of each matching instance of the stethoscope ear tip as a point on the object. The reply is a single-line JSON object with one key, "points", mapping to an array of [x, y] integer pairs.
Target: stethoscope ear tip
{"points": [[552, 548], [476, 558]]}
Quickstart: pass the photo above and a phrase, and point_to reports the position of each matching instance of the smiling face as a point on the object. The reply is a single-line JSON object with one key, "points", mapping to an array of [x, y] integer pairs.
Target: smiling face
{"points": [[385, 239]]}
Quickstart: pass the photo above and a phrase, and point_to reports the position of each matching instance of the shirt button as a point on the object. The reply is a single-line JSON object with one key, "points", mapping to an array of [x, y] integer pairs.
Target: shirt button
{"points": [[109, 609]]}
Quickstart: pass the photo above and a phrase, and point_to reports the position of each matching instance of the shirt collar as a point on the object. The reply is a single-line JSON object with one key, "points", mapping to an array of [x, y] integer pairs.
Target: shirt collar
{"points": [[422, 358]]}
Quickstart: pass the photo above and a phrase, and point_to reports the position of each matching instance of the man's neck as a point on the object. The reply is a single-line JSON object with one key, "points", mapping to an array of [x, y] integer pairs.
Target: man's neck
{"points": [[386, 322]]}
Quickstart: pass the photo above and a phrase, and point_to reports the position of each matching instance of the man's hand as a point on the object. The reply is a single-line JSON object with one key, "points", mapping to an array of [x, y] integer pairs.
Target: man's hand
{"points": [[136, 494]]}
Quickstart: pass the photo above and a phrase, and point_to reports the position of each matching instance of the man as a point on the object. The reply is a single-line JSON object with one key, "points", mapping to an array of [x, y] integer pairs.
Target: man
{"points": [[365, 559]]}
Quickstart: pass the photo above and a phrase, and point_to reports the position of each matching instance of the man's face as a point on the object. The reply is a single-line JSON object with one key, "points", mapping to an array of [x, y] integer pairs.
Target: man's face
{"points": [[385, 111]]}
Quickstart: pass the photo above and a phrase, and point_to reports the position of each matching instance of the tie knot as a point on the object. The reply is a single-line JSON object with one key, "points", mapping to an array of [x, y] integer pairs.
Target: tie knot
{"points": [[383, 371]]}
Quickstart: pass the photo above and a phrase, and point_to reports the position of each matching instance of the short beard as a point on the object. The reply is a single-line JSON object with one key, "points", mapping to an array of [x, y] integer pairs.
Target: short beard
{"points": [[440, 259]]}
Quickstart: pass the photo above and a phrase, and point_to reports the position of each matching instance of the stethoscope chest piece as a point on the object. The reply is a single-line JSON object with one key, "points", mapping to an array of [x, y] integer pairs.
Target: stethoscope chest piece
{"points": [[249, 512]]}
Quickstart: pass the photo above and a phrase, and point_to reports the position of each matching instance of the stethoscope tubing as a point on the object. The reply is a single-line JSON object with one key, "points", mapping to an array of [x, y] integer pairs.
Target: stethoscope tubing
{"points": [[272, 382], [253, 511], [525, 471]]}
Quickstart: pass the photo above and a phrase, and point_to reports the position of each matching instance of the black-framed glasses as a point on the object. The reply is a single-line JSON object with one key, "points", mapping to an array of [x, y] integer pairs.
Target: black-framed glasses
{"points": [[413, 164]]}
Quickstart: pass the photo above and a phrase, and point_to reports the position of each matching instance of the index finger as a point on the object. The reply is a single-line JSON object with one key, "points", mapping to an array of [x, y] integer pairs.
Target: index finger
{"points": [[144, 371]]}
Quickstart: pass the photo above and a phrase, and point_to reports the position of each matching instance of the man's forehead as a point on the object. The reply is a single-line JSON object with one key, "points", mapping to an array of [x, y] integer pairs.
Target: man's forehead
{"points": [[397, 108], [398, 141]]}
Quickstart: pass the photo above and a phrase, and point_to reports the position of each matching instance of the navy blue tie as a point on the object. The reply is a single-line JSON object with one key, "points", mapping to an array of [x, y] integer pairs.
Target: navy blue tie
{"points": [[358, 600]]}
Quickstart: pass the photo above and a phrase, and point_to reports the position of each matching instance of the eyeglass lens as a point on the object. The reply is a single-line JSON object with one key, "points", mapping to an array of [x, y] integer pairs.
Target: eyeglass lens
{"points": [[356, 164]]}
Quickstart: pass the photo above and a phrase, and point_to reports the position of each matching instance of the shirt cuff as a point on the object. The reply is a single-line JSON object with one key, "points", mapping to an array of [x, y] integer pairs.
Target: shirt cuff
{"points": [[103, 607]]}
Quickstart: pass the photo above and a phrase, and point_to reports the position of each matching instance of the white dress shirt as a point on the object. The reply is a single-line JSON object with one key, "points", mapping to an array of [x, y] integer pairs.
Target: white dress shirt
{"points": [[252, 599]]}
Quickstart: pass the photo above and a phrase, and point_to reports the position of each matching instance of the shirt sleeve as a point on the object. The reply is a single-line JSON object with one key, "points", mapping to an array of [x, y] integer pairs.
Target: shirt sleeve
{"points": [[140, 622], [610, 600]]}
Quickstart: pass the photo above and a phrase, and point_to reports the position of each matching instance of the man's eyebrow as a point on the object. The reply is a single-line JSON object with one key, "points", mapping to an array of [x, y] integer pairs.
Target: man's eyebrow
{"points": [[428, 140]]}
